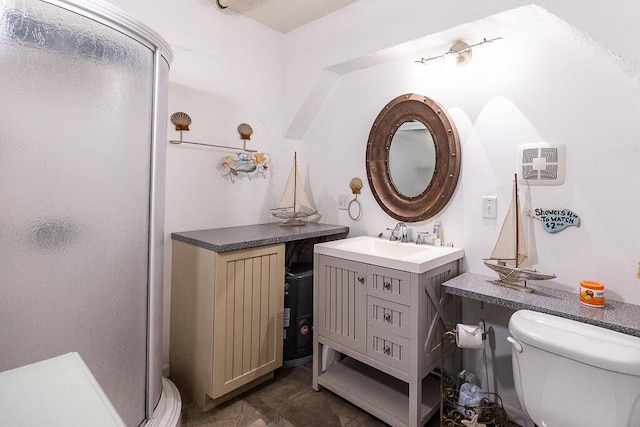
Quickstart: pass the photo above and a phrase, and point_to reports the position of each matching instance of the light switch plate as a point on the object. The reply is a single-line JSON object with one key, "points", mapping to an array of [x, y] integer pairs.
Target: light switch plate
{"points": [[343, 201], [489, 207]]}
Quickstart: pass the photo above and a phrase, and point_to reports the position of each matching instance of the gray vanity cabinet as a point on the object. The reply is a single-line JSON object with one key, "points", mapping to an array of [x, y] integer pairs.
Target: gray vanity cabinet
{"points": [[387, 325]]}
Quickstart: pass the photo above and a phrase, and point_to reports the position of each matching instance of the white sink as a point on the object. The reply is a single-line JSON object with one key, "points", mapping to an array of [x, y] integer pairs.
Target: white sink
{"points": [[399, 256]]}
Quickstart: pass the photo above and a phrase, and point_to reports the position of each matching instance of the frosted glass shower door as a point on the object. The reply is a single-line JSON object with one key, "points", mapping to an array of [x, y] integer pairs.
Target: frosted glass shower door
{"points": [[75, 136]]}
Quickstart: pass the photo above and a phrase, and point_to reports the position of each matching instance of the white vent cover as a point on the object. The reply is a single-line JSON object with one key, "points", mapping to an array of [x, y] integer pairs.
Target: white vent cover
{"points": [[541, 163]]}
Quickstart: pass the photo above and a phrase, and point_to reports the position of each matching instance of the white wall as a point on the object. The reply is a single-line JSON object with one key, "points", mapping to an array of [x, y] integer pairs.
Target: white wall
{"points": [[544, 82]]}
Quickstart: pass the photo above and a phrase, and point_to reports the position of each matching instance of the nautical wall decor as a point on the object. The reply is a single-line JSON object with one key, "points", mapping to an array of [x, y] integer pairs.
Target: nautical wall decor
{"points": [[555, 220], [511, 246], [240, 164], [246, 164]]}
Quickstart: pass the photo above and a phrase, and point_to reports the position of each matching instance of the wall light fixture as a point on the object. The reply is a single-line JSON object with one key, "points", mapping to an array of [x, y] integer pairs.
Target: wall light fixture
{"points": [[460, 50]]}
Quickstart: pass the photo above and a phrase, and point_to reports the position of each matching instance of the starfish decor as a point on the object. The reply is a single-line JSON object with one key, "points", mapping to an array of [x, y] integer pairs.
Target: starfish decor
{"points": [[473, 422]]}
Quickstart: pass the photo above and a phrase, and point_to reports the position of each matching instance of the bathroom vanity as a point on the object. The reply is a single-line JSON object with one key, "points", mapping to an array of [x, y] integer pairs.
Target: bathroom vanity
{"points": [[379, 304], [227, 297]]}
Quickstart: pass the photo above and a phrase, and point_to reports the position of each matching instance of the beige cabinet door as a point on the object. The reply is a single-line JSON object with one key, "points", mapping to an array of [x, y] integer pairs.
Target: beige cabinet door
{"points": [[247, 318], [342, 305]]}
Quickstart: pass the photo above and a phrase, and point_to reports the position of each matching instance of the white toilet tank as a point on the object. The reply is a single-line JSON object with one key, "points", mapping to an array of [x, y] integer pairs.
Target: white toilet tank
{"points": [[568, 373]]}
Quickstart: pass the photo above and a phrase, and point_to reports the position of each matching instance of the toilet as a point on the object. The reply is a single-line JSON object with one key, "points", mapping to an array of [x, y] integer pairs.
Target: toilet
{"points": [[567, 373]]}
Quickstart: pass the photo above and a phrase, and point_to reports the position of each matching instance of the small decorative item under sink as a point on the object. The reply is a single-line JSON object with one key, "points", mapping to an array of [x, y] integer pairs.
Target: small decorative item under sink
{"points": [[294, 203], [512, 246], [457, 408]]}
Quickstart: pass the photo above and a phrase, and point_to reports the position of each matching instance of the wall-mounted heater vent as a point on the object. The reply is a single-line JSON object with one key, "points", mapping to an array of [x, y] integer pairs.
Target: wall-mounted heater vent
{"points": [[541, 163]]}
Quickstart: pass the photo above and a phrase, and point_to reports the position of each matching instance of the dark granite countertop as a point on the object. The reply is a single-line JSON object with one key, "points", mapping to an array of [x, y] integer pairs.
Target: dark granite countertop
{"points": [[615, 315], [252, 236]]}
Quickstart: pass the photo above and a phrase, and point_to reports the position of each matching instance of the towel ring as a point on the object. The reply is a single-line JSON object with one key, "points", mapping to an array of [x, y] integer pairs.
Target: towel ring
{"points": [[355, 202], [356, 186]]}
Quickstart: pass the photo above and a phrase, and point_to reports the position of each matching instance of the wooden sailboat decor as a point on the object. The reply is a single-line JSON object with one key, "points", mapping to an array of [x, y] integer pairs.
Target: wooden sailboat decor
{"points": [[295, 203], [511, 251]]}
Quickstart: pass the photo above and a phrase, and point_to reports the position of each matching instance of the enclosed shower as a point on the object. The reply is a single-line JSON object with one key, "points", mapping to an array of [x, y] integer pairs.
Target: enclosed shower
{"points": [[82, 134]]}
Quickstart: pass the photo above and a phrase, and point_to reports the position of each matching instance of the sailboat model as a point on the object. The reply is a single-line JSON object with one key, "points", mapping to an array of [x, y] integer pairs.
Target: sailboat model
{"points": [[294, 203], [511, 251]]}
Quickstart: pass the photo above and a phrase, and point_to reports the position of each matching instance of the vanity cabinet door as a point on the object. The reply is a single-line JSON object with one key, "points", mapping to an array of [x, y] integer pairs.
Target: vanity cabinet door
{"points": [[226, 319], [248, 316], [341, 287]]}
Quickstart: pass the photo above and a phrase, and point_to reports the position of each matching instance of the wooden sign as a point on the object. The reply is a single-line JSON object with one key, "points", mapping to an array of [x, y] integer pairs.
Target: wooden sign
{"points": [[555, 220]]}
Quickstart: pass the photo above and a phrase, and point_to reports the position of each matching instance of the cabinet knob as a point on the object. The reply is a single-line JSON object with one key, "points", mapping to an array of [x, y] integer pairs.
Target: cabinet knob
{"points": [[387, 318], [361, 279], [386, 285], [386, 350]]}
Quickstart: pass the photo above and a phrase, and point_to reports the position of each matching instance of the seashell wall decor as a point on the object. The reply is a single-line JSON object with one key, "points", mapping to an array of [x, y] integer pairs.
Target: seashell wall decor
{"points": [[245, 131], [181, 120], [244, 163]]}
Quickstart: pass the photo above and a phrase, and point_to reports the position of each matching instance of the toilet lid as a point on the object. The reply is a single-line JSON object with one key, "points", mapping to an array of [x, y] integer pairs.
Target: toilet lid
{"points": [[593, 345]]}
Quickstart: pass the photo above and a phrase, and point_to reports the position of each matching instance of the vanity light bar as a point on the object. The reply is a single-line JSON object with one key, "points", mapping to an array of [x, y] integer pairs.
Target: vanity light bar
{"points": [[452, 51]]}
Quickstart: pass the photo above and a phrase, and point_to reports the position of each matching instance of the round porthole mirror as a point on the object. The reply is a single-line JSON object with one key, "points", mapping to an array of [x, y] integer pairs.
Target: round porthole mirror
{"points": [[413, 158]]}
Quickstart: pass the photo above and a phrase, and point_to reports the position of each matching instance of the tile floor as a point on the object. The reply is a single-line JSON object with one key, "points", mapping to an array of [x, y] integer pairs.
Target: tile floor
{"points": [[287, 400]]}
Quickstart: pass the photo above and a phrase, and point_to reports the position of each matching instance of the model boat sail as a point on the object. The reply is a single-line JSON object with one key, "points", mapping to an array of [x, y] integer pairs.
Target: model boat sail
{"points": [[294, 203], [511, 251]]}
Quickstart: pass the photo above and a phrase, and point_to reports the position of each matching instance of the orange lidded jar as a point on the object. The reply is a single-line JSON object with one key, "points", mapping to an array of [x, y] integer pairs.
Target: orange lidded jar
{"points": [[592, 293]]}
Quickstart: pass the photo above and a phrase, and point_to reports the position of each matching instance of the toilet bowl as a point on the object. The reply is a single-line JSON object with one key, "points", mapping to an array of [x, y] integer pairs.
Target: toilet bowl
{"points": [[568, 373]]}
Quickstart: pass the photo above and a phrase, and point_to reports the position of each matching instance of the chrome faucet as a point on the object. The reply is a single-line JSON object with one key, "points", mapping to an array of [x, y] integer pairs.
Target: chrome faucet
{"points": [[399, 232]]}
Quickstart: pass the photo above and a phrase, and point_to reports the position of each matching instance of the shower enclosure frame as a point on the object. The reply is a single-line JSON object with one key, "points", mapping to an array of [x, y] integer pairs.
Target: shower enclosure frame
{"points": [[115, 19]]}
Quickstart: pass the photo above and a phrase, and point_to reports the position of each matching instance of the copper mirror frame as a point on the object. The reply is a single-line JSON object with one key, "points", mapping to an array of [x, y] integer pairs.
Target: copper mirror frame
{"points": [[447, 163]]}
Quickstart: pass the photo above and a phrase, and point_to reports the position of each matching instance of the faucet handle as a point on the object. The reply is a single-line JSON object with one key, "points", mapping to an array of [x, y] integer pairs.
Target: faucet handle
{"points": [[399, 232], [422, 237]]}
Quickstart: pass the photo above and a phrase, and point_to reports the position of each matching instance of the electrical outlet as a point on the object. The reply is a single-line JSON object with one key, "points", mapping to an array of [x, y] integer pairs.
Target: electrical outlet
{"points": [[343, 201], [489, 207]]}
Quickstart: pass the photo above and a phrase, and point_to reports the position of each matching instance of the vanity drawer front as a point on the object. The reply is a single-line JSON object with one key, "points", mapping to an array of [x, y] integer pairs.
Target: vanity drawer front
{"points": [[389, 284], [390, 349], [388, 316]]}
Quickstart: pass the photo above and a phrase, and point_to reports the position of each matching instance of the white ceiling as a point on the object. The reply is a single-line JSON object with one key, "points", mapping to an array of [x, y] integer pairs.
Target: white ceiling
{"points": [[283, 15]]}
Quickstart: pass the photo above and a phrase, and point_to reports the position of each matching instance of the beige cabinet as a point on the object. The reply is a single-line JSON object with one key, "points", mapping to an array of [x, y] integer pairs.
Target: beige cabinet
{"points": [[226, 320], [388, 323]]}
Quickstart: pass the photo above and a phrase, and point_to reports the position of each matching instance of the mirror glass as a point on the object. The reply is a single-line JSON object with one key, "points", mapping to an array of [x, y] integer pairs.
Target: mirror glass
{"points": [[412, 158]]}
